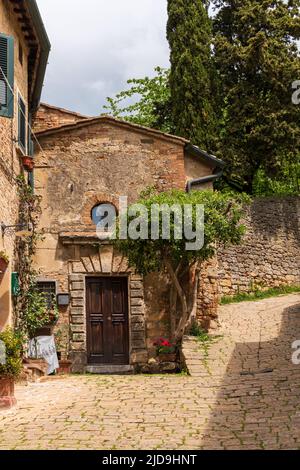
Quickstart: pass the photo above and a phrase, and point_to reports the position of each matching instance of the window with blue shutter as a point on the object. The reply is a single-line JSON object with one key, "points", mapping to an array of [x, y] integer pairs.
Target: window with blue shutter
{"points": [[6, 76]]}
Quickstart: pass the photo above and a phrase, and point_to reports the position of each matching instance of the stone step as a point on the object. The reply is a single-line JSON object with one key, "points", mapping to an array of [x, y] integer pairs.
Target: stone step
{"points": [[107, 369]]}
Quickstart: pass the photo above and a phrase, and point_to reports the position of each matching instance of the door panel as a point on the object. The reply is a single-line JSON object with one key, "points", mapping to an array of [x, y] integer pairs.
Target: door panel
{"points": [[107, 321]]}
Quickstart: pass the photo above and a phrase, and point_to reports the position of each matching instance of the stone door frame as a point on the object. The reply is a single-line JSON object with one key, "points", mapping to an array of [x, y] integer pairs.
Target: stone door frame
{"points": [[110, 264]]}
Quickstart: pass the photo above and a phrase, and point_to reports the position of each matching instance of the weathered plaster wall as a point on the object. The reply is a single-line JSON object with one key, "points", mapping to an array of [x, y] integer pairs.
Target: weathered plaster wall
{"points": [[9, 160], [270, 254]]}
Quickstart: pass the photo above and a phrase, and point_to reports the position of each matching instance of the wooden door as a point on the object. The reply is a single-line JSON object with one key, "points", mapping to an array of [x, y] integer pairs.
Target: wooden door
{"points": [[107, 320]]}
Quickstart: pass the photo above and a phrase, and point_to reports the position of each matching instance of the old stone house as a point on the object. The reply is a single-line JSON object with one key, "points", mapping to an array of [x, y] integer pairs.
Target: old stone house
{"points": [[24, 49], [112, 314]]}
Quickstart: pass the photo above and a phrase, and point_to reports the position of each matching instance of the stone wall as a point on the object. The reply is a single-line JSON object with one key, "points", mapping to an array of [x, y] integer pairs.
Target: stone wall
{"points": [[270, 253], [49, 116]]}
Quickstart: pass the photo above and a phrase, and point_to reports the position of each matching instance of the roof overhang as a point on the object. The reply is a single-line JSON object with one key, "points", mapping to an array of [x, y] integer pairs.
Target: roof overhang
{"points": [[211, 160]]}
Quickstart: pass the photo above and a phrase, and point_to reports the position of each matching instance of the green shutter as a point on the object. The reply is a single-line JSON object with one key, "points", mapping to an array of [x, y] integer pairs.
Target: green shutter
{"points": [[22, 123], [6, 76], [15, 285], [29, 134]]}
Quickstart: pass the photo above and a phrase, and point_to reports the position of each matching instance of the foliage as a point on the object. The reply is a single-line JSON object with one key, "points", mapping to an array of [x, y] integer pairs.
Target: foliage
{"points": [[4, 256], [38, 313], [192, 77], [31, 309], [259, 294], [221, 223], [221, 226], [150, 106], [62, 339], [286, 184], [164, 346], [229, 89], [13, 350], [257, 60], [204, 339]]}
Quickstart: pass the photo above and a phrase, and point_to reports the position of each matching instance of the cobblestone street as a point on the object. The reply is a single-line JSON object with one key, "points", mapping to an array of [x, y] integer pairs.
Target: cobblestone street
{"points": [[243, 394]]}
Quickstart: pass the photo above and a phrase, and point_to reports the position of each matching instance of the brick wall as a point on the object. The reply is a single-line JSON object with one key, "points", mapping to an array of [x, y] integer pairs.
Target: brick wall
{"points": [[270, 253], [49, 116]]}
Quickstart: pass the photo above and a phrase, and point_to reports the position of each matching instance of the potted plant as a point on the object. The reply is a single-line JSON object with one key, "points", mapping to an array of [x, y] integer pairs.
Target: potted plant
{"points": [[10, 366], [165, 350], [62, 346], [27, 162], [4, 260], [40, 314]]}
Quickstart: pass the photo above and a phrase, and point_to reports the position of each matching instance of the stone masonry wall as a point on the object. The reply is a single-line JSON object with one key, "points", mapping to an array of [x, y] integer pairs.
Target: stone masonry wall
{"points": [[49, 116], [77, 169], [10, 165], [270, 254]]}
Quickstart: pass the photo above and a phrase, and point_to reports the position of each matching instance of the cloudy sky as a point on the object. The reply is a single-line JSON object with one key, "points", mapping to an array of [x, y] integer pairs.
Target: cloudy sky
{"points": [[97, 45]]}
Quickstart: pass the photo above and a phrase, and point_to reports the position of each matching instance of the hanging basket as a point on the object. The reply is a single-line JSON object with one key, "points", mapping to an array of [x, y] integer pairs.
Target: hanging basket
{"points": [[28, 163]]}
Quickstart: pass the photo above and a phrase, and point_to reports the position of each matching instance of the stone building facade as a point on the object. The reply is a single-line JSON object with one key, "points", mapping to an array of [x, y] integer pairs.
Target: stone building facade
{"points": [[24, 48], [82, 164]]}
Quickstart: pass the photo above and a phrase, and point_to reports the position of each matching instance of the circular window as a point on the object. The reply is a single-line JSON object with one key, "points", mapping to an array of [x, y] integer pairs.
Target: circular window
{"points": [[104, 216]]}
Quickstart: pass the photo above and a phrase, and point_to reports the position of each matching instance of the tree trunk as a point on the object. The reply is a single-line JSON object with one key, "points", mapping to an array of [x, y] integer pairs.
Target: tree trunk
{"points": [[188, 312], [173, 310], [187, 318]]}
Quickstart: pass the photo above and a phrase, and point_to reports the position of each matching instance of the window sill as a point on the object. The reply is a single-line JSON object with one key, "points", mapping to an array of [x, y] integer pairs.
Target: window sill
{"points": [[21, 151]]}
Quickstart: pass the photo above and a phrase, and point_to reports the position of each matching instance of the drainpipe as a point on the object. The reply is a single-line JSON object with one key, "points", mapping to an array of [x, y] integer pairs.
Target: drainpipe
{"points": [[217, 173], [205, 179]]}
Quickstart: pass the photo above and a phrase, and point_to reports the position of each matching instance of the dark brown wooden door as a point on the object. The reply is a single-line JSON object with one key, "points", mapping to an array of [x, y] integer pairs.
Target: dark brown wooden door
{"points": [[107, 320]]}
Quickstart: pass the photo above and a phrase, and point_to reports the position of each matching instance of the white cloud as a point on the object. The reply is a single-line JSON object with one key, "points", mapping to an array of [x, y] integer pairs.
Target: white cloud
{"points": [[97, 45]]}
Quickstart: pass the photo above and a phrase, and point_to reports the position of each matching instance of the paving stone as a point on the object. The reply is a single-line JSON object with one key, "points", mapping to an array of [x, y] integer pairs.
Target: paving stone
{"points": [[218, 408]]}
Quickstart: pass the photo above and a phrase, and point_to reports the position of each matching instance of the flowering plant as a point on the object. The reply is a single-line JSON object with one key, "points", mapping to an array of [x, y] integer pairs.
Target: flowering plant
{"points": [[4, 256], [163, 346]]}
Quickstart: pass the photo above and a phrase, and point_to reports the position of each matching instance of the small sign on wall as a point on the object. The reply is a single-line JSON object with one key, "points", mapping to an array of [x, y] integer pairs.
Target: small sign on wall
{"points": [[63, 300]]}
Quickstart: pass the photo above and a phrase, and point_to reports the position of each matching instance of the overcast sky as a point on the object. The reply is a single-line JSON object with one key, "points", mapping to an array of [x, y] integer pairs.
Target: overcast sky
{"points": [[97, 45]]}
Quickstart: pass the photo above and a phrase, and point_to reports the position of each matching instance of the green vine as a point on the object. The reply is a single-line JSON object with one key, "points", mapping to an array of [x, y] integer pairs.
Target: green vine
{"points": [[31, 309]]}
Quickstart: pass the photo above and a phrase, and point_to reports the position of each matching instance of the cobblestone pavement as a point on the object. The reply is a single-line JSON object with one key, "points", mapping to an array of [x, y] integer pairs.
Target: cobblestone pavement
{"points": [[243, 393]]}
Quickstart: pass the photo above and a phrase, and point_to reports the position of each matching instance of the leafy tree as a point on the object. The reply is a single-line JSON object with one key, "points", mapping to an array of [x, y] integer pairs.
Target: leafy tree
{"points": [[257, 60], [286, 184], [192, 78], [146, 102], [221, 226]]}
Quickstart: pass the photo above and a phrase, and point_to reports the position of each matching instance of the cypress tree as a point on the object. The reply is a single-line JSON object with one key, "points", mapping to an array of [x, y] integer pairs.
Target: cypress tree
{"points": [[258, 60], [189, 32]]}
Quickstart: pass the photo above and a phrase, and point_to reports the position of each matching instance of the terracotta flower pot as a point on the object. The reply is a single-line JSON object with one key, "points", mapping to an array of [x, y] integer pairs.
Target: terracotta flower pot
{"points": [[7, 392], [64, 367], [168, 357], [28, 163]]}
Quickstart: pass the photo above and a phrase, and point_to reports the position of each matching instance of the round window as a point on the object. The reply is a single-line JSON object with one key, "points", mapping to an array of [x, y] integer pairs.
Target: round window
{"points": [[104, 216]]}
